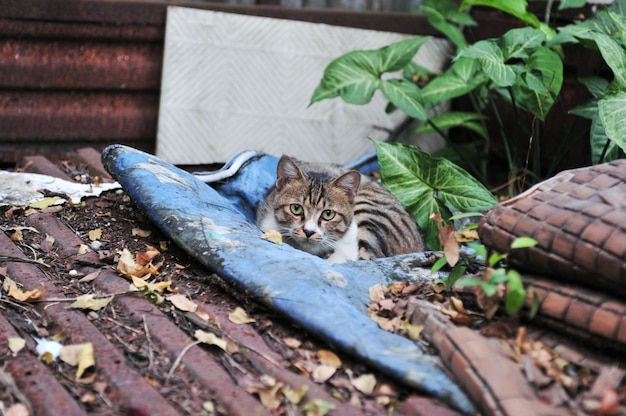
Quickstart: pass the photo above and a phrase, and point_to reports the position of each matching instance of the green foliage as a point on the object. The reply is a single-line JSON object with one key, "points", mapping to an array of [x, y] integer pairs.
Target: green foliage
{"points": [[523, 66], [516, 294], [426, 185]]}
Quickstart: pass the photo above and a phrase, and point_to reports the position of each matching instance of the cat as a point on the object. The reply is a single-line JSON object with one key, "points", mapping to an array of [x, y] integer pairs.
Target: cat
{"points": [[337, 214]]}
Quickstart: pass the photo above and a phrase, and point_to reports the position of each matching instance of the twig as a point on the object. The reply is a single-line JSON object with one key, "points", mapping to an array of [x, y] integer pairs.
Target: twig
{"points": [[180, 357], [150, 347], [23, 260]]}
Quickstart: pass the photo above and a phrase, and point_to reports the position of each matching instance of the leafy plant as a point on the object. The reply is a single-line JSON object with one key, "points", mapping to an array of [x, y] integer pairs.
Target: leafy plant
{"points": [[426, 185], [496, 274], [523, 67]]}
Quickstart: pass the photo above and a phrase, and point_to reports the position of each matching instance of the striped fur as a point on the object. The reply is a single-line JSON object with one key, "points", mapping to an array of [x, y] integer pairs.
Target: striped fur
{"points": [[336, 214]]}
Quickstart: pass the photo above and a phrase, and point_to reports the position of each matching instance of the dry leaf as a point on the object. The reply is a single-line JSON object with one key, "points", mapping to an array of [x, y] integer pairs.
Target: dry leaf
{"points": [[80, 355], [12, 290], [317, 407], [467, 236], [273, 236], [239, 316], [210, 339], [323, 372], [83, 249], [413, 331], [183, 303], [451, 249], [44, 203], [90, 277], [142, 267], [16, 344], [365, 383], [292, 342], [295, 396], [329, 358], [377, 292], [95, 234], [90, 301], [141, 233], [17, 236], [17, 409]]}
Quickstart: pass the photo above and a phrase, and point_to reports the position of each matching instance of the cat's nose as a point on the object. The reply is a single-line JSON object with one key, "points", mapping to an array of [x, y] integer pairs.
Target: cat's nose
{"points": [[308, 233]]}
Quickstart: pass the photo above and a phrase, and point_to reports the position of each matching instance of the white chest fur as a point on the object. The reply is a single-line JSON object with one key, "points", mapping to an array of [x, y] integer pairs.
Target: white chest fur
{"points": [[347, 248]]}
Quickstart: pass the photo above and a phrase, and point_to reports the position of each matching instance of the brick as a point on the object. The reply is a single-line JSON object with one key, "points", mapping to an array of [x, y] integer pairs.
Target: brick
{"points": [[604, 323], [579, 314], [555, 306]]}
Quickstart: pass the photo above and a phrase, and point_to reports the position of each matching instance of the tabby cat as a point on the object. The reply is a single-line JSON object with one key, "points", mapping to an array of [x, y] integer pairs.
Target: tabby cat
{"points": [[336, 214]]}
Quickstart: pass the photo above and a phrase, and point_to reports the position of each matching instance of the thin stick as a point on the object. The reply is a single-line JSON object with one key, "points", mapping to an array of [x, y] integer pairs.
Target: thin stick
{"points": [[180, 357]]}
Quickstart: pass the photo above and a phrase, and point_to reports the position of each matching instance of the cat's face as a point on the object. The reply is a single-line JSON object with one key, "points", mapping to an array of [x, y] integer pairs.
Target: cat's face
{"points": [[313, 210]]}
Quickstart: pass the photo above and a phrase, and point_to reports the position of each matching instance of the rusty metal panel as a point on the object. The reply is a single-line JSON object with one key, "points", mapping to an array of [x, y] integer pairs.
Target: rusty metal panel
{"points": [[77, 115], [84, 65]]}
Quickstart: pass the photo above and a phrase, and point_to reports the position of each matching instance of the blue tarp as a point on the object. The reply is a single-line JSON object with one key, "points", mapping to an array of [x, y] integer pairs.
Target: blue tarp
{"points": [[215, 225]]}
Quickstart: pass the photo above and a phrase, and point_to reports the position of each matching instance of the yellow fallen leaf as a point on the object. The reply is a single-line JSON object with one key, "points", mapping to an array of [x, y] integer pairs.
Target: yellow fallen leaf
{"points": [[239, 316], [141, 233], [16, 344], [317, 407], [17, 236], [95, 234], [413, 331], [44, 203], [295, 396], [292, 342], [329, 358], [182, 302], [273, 235], [90, 301], [210, 339], [80, 355], [365, 383], [83, 249], [15, 292]]}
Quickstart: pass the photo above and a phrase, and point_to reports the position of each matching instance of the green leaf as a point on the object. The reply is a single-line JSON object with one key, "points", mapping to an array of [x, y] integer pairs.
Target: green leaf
{"points": [[488, 288], [455, 119], [406, 96], [603, 149], [426, 185], [480, 251], [612, 111], [444, 15], [538, 82], [355, 76], [523, 242], [614, 55], [498, 276], [439, 264], [595, 85], [519, 43], [457, 272], [534, 308], [396, 56], [515, 8], [568, 4], [463, 76], [495, 258], [514, 280], [491, 60], [514, 301]]}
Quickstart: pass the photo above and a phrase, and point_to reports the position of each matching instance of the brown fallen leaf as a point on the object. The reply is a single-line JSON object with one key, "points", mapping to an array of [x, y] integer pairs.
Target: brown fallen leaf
{"points": [[141, 233], [329, 358], [323, 372]]}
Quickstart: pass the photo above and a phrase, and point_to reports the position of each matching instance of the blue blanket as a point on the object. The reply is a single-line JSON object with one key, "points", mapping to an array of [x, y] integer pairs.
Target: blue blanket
{"points": [[215, 225]]}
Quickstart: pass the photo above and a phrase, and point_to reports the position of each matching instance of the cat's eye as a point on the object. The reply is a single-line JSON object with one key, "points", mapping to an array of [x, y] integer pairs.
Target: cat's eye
{"points": [[296, 209], [328, 214]]}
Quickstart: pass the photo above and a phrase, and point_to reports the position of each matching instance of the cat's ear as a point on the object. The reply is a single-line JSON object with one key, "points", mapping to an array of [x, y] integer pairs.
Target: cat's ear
{"points": [[349, 182], [287, 170]]}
